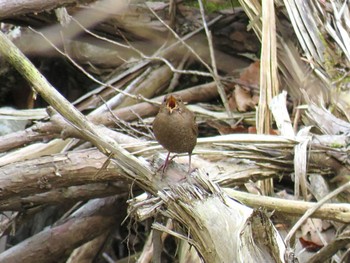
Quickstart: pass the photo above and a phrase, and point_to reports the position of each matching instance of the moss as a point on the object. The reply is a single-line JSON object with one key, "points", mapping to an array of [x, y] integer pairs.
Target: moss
{"points": [[333, 58], [336, 145], [212, 6]]}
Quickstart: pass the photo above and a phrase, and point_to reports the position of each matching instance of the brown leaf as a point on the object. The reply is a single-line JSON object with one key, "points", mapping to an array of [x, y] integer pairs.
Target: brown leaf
{"points": [[225, 128], [312, 231], [251, 75], [253, 130], [309, 245], [232, 101], [245, 96], [243, 99]]}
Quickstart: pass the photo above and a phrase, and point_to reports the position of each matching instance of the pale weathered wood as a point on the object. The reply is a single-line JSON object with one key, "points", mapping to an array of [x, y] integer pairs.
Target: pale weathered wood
{"points": [[21, 7], [51, 244], [55, 171]]}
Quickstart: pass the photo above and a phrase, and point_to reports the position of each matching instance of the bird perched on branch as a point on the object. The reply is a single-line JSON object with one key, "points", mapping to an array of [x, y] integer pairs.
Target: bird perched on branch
{"points": [[175, 128]]}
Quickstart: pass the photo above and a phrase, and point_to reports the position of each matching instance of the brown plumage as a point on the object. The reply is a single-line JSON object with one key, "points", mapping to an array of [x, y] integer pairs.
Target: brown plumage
{"points": [[175, 128]]}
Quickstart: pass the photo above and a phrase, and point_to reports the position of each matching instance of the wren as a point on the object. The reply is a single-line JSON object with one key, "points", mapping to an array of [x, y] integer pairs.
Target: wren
{"points": [[175, 128]]}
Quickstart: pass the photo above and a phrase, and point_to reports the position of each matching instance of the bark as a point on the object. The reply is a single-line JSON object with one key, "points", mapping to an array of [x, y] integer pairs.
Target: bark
{"points": [[53, 172], [220, 228], [57, 242], [64, 195], [14, 8], [58, 127]]}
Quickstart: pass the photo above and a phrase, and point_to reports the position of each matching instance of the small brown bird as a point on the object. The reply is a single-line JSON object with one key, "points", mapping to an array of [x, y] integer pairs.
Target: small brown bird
{"points": [[175, 128]]}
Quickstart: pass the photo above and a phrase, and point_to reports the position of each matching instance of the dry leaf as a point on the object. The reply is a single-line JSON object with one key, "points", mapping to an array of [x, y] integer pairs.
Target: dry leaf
{"points": [[225, 128], [312, 231], [251, 75], [244, 97]]}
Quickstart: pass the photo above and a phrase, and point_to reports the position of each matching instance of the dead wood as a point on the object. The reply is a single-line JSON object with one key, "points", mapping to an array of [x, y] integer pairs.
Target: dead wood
{"points": [[153, 58], [54, 172], [337, 212], [89, 250], [11, 9], [327, 252], [52, 244], [64, 195], [58, 127]]}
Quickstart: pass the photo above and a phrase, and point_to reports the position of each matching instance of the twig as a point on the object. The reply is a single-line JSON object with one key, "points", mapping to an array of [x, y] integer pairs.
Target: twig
{"points": [[175, 79], [144, 56], [150, 135], [116, 100], [182, 41], [166, 62], [212, 74], [119, 121], [131, 165], [335, 212], [136, 97], [309, 212], [98, 36], [214, 71]]}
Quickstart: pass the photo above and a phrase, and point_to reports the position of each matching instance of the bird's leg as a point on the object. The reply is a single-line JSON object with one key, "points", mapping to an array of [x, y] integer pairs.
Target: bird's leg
{"points": [[165, 165], [168, 160], [189, 163]]}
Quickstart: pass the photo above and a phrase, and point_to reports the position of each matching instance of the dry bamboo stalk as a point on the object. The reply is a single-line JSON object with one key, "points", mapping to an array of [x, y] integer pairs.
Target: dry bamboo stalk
{"points": [[40, 85], [336, 212], [204, 214]]}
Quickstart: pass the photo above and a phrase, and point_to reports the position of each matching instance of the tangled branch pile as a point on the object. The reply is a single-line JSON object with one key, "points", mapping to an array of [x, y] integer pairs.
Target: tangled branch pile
{"points": [[79, 169]]}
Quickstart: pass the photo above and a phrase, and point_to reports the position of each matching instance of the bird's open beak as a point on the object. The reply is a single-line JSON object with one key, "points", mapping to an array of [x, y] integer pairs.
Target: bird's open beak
{"points": [[171, 103]]}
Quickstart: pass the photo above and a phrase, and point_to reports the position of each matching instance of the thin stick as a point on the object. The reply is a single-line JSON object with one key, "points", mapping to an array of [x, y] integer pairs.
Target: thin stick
{"points": [[136, 97], [312, 210], [144, 56], [132, 165], [214, 72]]}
